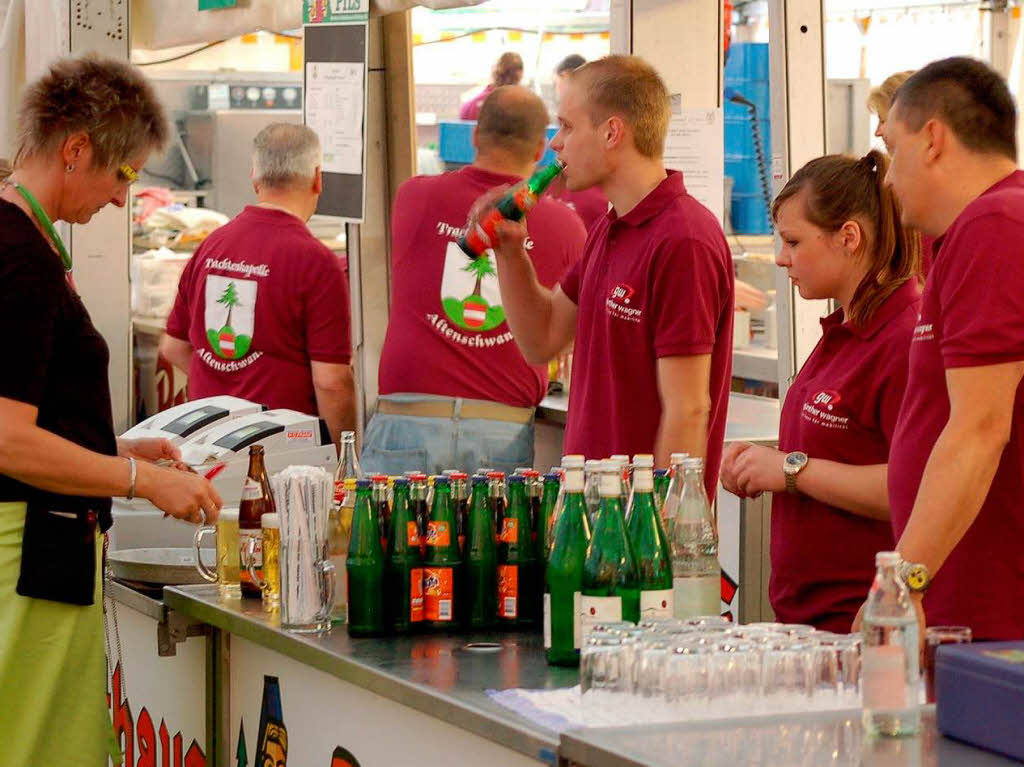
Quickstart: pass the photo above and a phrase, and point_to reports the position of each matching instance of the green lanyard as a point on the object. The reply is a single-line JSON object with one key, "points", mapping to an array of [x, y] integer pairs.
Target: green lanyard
{"points": [[47, 225]]}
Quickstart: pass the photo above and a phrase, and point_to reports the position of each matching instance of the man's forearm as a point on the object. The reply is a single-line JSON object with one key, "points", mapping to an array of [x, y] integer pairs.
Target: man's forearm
{"points": [[948, 499], [527, 306], [337, 406], [681, 433]]}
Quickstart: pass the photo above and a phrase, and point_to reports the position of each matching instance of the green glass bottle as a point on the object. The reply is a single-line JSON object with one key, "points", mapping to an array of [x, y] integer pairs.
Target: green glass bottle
{"points": [[515, 204], [548, 501], [518, 593], [481, 554], [661, 482], [650, 544], [444, 590], [365, 567], [611, 586], [403, 571], [563, 582]]}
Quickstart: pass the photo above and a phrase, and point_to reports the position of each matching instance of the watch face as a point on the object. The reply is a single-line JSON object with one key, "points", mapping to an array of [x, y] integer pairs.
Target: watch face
{"points": [[917, 577], [796, 460]]}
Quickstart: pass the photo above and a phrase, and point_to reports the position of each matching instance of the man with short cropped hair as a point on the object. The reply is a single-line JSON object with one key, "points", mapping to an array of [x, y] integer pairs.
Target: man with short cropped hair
{"points": [[651, 302], [262, 310], [956, 466], [455, 391]]}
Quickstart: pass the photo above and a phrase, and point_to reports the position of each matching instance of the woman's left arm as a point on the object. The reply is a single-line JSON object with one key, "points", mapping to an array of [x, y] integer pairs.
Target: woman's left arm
{"points": [[860, 490]]}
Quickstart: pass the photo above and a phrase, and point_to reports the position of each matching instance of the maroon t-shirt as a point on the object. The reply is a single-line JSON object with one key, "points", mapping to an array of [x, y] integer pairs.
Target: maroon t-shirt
{"points": [[447, 333], [590, 204], [972, 315], [258, 301], [471, 109], [842, 406], [656, 282]]}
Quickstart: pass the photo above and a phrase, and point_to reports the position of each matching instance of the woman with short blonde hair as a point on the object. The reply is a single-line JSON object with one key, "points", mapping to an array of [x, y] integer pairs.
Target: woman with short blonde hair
{"points": [[86, 128]]}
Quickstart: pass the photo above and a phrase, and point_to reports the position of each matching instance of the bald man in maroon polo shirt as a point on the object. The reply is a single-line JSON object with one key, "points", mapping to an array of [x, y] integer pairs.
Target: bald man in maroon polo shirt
{"points": [[650, 304]]}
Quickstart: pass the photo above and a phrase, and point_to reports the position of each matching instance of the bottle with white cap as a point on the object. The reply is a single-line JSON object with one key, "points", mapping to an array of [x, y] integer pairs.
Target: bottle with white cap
{"points": [[696, 575], [647, 536], [674, 493], [889, 666], [611, 586]]}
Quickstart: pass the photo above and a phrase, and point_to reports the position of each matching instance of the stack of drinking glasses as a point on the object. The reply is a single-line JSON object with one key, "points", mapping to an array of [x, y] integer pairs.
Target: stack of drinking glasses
{"points": [[666, 669]]}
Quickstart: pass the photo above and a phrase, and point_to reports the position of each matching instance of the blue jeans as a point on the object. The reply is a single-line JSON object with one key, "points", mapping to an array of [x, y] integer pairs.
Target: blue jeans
{"points": [[394, 444]]}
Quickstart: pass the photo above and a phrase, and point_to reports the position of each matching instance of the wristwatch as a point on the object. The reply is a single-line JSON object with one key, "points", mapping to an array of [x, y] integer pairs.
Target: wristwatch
{"points": [[792, 465], [917, 576]]}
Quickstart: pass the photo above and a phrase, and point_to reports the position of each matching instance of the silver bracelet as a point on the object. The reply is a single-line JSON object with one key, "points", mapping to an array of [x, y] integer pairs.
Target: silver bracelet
{"points": [[131, 484]]}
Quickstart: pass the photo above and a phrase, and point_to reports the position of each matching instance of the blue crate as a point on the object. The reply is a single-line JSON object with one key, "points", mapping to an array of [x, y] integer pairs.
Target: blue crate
{"points": [[747, 60], [749, 215], [455, 142]]}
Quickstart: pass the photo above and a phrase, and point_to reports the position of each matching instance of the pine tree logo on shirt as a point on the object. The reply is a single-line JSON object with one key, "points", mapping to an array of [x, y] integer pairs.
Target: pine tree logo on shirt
{"points": [[469, 291], [230, 313]]}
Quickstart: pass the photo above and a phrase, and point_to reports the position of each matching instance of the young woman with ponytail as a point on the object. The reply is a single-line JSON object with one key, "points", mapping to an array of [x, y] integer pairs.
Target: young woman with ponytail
{"points": [[841, 239]]}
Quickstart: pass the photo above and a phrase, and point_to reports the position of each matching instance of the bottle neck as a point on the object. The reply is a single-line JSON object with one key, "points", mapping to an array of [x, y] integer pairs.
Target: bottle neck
{"points": [[643, 480], [574, 480], [540, 180]]}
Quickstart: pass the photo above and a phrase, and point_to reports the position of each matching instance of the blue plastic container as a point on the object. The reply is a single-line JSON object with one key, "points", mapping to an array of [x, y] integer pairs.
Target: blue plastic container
{"points": [[746, 72], [455, 140], [979, 693], [749, 214]]}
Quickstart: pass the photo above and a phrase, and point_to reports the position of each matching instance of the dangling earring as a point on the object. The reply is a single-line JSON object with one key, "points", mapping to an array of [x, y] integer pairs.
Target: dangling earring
{"points": [[69, 168]]}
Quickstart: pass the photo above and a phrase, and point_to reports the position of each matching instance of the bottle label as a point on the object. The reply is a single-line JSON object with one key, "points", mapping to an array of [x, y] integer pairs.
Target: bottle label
{"points": [[656, 604], [547, 621], [439, 534], [416, 594], [508, 591], [339, 492], [509, 530], [700, 595], [595, 610], [437, 593], [243, 561], [884, 677], [251, 490], [412, 534]]}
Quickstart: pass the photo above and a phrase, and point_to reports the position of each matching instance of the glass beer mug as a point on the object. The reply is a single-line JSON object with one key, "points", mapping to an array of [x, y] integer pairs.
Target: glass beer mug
{"points": [[270, 583], [227, 567]]}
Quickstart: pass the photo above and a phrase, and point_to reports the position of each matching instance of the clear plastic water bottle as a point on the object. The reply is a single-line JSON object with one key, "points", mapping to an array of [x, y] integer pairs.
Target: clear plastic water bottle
{"points": [[890, 670], [696, 574]]}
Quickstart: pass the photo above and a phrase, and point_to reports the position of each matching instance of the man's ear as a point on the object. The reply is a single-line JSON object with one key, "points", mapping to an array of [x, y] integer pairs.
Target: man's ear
{"points": [[318, 180]]}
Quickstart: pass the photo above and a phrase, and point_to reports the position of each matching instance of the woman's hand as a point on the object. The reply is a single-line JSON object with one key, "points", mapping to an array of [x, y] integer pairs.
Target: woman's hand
{"points": [[758, 469], [151, 449], [182, 495], [727, 474]]}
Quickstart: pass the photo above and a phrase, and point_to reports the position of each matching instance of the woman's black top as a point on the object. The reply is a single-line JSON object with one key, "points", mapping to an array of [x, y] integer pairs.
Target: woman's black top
{"points": [[54, 359]]}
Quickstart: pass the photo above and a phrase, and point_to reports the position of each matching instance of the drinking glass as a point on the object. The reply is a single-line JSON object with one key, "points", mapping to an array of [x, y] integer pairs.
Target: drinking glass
{"points": [[933, 638], [786, 675], [227, 566], [688, 680], [603, 681]]}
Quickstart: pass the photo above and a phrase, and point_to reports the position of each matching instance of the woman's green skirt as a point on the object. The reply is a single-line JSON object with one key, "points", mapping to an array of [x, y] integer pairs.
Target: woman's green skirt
{"points": [[52, 669]]}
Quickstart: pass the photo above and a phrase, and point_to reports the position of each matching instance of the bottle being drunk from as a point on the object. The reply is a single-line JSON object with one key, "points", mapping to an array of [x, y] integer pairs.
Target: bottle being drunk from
{"points": [[696, 575], [611, 586], [257, 500], [516, 203], [889, 668], [563, 582]]}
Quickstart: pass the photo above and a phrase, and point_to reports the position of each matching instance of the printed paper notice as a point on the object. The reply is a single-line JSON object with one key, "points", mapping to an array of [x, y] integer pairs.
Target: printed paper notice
{"points": [[696, 146], [334, 109]]}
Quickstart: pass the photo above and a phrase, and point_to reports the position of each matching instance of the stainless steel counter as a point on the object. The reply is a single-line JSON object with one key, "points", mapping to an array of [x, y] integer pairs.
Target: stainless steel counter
{"points": [[439, 675], [750, 419], [806, 740]]}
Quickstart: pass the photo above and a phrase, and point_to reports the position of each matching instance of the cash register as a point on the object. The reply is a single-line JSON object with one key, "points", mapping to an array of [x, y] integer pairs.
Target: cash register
{"points": [[191, 419], [221, 453]]}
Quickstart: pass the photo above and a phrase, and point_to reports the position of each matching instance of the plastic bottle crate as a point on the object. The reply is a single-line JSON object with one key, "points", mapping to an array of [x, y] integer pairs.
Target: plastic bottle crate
{"points": [[455, 142], [749, 215]]}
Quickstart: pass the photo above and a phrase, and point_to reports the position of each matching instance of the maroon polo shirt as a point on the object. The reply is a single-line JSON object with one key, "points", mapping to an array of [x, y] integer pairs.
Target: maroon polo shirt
{"points": [[447, 333], [972, 315], [842, 406], [590, 204], [259, 301], [656, 282]]}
